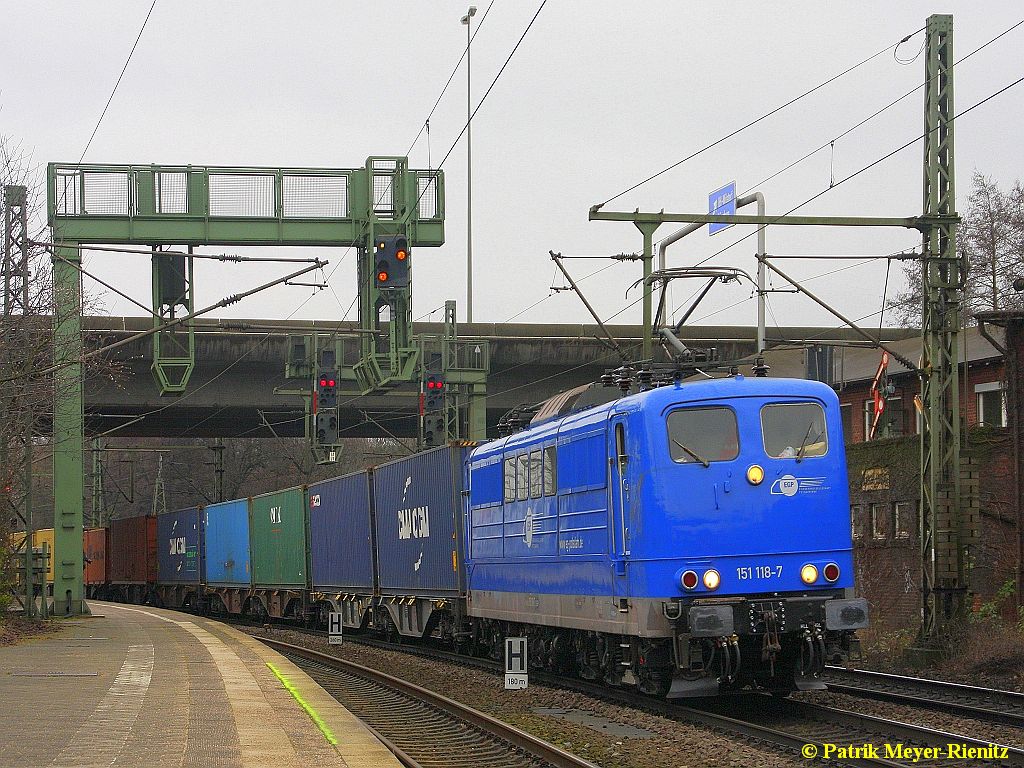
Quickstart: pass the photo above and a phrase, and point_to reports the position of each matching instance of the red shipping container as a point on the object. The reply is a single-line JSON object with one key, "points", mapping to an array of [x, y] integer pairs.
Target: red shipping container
{"points": [[95, 544], [132, 552]]}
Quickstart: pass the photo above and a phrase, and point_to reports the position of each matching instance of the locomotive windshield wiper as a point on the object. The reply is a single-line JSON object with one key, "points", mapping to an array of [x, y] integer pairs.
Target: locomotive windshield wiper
{"points": [[695, 457], [803, 443]]}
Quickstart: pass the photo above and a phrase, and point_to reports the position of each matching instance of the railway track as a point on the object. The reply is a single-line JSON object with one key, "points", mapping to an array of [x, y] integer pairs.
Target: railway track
{"points": [[421, 727], [987, 704], [781, 724], [805, 723]]}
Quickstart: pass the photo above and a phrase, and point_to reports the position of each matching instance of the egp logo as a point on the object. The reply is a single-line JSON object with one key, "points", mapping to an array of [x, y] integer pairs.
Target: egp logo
{"points": [[787, 485], [528, 528]]}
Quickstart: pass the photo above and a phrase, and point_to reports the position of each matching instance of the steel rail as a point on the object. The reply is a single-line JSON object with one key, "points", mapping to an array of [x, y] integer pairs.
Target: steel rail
{"points": [[530, 745], [988, 704]]}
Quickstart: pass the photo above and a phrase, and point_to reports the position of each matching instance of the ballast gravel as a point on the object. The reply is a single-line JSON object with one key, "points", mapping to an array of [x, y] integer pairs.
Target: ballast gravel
{"points": [[673, 744]]}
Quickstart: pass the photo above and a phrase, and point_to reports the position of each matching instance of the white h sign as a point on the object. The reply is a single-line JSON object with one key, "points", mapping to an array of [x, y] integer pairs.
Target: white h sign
{"points": [[334, 627], [516, 677]]}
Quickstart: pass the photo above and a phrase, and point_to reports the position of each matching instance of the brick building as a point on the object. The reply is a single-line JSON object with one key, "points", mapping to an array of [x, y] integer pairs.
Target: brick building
{"points": [[883, 470]]}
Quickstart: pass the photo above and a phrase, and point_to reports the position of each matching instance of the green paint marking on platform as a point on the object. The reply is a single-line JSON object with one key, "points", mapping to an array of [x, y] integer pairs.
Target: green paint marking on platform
{"points": [[302, 703]]}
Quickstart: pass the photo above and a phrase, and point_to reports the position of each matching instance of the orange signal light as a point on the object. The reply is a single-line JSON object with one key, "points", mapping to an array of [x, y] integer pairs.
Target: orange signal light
{"points": [[402, 255], [382, 277]]}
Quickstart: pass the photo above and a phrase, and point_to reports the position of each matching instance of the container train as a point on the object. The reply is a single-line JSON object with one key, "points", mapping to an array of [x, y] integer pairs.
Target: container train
{"points": [[689, 540]]}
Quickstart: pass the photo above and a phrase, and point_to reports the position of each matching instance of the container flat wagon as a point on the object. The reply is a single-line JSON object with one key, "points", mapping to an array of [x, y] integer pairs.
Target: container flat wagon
{"points": [[278, 538], [96, 577], [341, 550], [226, 537], [418, 533], [180, 557]]}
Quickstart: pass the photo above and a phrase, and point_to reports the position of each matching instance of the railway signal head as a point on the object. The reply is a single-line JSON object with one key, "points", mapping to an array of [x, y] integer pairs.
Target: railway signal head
{"points": [[433, 393], [391, 261], [327, 389], [327, 427]]}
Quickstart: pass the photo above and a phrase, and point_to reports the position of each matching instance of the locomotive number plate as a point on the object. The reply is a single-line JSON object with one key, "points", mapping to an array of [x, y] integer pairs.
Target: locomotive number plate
{"points": [[745, 572]]}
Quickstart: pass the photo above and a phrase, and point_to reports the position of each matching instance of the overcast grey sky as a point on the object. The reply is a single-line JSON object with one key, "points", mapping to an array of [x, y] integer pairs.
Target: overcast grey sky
{"points": [[599, 96]]}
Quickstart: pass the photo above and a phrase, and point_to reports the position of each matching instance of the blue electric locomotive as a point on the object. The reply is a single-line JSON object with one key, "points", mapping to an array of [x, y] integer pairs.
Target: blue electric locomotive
{"points": [[690, 539]]}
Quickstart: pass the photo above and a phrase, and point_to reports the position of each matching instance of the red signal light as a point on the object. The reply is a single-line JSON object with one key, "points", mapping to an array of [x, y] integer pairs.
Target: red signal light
{"points": [[330, 383], [323, 382], [431, 384]]}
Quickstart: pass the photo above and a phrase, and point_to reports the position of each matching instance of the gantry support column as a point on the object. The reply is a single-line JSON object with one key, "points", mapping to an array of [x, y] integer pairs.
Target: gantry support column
{"points": [[946, 531], [68, 431]]}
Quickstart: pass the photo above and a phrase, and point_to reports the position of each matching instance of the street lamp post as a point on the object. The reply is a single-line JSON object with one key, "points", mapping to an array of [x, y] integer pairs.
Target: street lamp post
{"points": [[469, 168]]}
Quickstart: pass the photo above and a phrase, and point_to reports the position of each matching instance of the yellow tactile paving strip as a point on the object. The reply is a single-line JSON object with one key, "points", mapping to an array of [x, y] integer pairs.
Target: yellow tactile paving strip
{"points": [[144, 687]]}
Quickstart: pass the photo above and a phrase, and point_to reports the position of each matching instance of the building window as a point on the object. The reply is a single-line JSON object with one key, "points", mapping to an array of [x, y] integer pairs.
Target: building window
{"points": [[991, 404], [906, 519], [856, 521], [891, 423], [879, 524], [846, 416]]}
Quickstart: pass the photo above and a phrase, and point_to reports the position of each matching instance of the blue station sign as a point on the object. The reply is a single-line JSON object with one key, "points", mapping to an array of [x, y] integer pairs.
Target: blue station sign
{"points": [[722, 202]]}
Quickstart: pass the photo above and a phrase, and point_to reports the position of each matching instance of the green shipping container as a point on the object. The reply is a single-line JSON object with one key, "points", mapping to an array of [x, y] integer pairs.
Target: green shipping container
{"points": [[278, 523]]}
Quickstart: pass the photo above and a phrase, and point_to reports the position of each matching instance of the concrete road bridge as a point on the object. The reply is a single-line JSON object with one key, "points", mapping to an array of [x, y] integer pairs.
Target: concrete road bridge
{"points": [[240, 362]]}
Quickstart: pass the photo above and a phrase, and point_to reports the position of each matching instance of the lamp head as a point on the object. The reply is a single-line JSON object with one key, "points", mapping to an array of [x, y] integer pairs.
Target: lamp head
{"points": [[469, 14]]}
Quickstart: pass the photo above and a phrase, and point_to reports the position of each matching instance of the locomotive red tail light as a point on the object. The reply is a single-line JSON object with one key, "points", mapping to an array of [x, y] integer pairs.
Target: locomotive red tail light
{"points": [[689, 580], [831, 572]]}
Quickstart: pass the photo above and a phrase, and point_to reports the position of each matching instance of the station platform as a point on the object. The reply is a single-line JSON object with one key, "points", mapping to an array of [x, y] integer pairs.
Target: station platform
{"points": [[139, 686]]}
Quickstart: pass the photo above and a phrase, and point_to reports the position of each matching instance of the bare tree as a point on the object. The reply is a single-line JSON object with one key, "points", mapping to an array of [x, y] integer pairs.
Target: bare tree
{"points": [[991, 239]]}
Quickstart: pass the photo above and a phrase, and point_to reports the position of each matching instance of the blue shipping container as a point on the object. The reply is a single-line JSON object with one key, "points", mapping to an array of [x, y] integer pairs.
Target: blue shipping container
{"points": [[341, 552], [417, 500], [179, 546], [226, 530]]}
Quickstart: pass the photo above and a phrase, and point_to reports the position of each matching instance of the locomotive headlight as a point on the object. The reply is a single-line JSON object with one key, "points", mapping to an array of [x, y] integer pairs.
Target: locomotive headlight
{"points": [[755, 474], [712, 579], [809, 574]]}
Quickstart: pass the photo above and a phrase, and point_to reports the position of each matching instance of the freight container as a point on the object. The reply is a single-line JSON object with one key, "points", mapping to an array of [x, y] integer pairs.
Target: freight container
{"points": [[277, 534], [340, 545], [226, 535], [132, 550], [39, 537], [96, 542], [179, 543], [417, 502]]}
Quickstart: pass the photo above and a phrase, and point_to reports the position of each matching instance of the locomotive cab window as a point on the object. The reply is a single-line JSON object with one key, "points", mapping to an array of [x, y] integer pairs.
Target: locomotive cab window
{"points": [[702, 435], [794, 430]]}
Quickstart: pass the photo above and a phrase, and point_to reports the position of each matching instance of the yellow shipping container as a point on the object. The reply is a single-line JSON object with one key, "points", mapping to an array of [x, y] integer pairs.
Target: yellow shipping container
{"points": [[38, 537]]}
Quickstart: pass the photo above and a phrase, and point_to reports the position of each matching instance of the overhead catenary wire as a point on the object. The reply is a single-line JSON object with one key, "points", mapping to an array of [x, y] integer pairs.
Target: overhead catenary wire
{"points": [[757, 120], [483, 98], [110, 98], [831, 142], [425, 126], [861, 170]]}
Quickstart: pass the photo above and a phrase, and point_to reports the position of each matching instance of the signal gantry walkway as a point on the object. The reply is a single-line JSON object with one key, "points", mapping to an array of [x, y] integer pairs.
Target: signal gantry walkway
{"points": [[139, 686]]}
